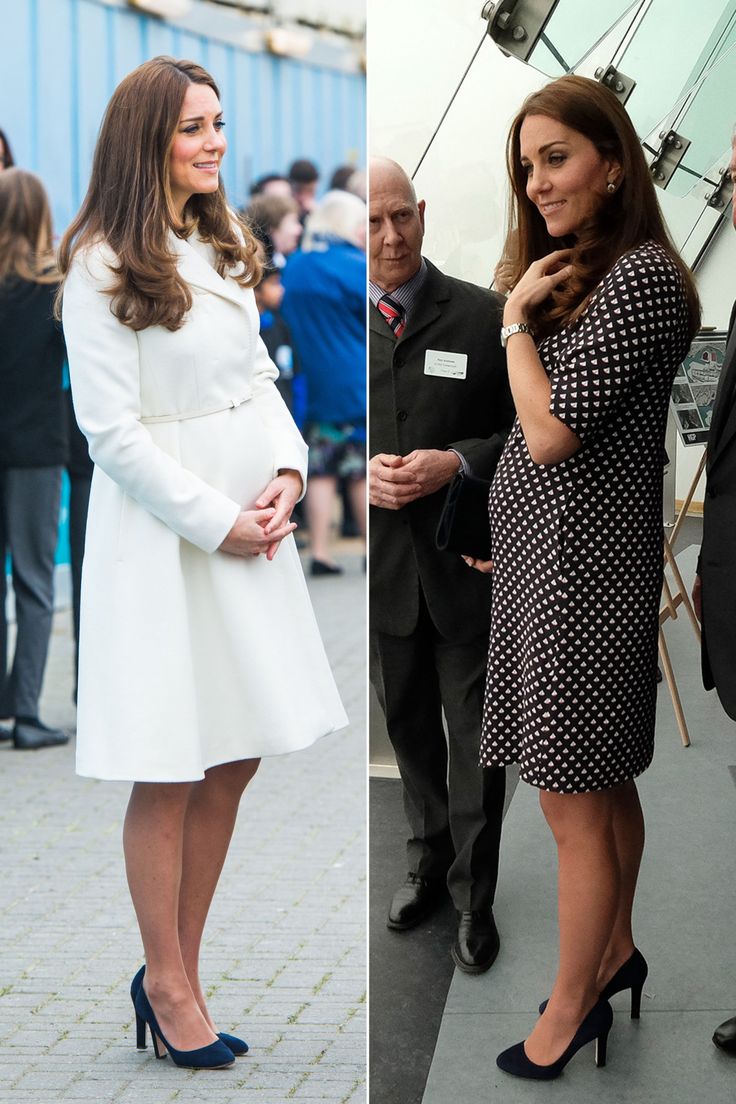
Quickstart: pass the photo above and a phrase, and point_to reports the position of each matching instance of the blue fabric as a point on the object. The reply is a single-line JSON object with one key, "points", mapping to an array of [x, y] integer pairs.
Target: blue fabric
{"points": [[325, 307]]}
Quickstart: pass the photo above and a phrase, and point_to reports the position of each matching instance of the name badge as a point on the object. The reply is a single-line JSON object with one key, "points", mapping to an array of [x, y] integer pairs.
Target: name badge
{"points": [[449, 365]]}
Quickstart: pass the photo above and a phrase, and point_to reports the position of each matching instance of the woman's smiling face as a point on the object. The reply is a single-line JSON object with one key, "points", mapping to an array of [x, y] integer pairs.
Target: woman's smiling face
{"points": [[198, 147], [566, 177]]}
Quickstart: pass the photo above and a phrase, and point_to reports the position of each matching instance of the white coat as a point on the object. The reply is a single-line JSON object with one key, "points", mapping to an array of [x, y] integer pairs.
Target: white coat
{"points": [[189, 657]]}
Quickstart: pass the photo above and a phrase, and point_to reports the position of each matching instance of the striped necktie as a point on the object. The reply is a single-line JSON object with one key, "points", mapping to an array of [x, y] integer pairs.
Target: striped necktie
{"points": [[394, 314]]}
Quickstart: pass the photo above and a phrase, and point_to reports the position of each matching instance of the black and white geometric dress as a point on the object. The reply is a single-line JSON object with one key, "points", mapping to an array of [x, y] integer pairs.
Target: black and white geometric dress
{"points": [[577, 546]]}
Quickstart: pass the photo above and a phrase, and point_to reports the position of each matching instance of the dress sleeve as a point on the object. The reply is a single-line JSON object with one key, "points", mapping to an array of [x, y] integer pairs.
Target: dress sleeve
{"points": [[290, 450], [105, 378], [639, 307]]}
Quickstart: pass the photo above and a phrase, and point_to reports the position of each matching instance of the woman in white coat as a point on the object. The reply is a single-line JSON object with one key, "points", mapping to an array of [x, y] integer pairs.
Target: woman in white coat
{"points": [[199, 652]]}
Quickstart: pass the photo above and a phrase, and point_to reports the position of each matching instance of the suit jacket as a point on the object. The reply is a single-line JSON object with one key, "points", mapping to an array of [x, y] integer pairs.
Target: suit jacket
{"points": [[718, 553], [412, 410]]}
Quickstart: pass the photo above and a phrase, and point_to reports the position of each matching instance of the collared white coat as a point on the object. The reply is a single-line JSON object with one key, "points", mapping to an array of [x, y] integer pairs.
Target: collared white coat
{"points": [[189, 657]]}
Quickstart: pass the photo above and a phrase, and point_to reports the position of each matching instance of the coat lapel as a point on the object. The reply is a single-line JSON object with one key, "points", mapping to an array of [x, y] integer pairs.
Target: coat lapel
{"points": [[197, 271], [428, 309]]}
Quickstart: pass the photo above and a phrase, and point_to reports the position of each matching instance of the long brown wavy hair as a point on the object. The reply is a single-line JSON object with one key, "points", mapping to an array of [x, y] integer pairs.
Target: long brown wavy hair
{"points": [[625, 220], [26, 236], [129, 203]]}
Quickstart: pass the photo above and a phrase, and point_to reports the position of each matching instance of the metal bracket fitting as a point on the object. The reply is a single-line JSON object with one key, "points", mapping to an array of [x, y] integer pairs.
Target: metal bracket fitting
{"points": [[517, 25], [720, 196], [668, 157], [621, 86]]}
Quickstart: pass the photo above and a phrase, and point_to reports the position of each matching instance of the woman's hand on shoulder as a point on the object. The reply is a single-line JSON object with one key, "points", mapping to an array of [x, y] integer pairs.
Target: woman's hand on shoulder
{"points": [[539, 280], [250, 536]]}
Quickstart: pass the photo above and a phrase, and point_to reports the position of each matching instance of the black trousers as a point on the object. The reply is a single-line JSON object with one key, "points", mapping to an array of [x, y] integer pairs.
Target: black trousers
{"points": [[454, 806]]}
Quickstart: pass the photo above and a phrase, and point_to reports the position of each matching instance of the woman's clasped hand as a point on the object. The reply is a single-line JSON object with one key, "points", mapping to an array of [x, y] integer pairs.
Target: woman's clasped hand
{"points": [[260, 531]]}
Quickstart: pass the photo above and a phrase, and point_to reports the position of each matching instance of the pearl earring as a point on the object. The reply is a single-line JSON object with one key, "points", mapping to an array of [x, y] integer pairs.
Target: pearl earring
{"points": [[611, 187]]}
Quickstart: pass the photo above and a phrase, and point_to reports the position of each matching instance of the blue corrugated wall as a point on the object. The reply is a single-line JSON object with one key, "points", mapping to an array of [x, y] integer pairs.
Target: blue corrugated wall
{"points": [[61, 60]]}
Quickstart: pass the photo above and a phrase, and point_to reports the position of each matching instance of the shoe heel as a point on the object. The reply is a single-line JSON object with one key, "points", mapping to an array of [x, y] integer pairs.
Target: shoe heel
{"points": [[636, 991], [601, 1046], [140, 1032], [159, 1049]]}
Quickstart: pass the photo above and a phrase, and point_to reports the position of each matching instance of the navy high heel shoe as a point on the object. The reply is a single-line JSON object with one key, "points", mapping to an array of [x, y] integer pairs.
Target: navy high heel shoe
{"points": [[595, 1027], [213, 1056], [239, 1047], [631, 975]]}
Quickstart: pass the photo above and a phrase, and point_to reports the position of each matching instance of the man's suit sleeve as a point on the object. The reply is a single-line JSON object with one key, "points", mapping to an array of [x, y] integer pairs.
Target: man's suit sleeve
{"points": [[482, 454]]}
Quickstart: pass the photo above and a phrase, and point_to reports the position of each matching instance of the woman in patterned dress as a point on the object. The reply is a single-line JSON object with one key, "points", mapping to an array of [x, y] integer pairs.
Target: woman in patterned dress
{"points": [[601, 313]]}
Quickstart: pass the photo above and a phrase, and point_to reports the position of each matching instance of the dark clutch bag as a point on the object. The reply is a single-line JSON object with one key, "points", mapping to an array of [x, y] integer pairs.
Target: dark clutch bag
{"points": [[463, 526]]}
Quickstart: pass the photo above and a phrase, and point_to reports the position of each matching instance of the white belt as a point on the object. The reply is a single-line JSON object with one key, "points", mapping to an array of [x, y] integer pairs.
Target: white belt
{"points": [[185, 415]]}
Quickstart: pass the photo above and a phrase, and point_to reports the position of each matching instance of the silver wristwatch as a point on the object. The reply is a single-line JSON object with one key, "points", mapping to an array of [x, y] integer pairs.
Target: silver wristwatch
{"points": [[508, 331]]}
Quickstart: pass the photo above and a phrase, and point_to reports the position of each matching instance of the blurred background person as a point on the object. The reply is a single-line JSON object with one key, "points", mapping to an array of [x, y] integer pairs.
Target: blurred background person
{"points": [[340, 178], [324, 304], [275, 220], [32, 448], [275, 331], [271, 184], [6, 155], [304, 178]]}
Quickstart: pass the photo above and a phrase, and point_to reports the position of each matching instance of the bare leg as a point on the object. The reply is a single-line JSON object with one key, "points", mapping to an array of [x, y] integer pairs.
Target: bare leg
{"points": [[208, 827], [356, 490], [588, 895], [320, 506], [628, 830], [152, 840]]}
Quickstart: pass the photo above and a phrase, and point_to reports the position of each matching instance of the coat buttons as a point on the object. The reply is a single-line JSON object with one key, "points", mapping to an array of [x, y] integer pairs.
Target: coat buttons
{"points": [[402, 415]]}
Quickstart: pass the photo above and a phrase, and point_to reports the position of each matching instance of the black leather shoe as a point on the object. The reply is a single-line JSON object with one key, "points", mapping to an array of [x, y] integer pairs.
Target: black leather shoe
{"points": [[29, 736], [6, 733], [477, 942], [725, 1036], [414, 900]]}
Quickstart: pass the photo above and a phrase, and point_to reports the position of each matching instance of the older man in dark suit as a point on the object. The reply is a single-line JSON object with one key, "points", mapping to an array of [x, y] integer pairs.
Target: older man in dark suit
{"points": [[439, 401], [714, 593]]}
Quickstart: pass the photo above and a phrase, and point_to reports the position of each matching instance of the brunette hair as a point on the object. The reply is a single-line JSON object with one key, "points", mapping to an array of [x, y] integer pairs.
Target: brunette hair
{"points": [[626, 219], [129, 203], [7, 156], [26, 236]]}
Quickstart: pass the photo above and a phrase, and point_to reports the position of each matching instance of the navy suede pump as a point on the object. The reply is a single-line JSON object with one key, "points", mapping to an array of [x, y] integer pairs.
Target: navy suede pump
{"points": [[594, 1028], [239, 1047], [213, 1056]]}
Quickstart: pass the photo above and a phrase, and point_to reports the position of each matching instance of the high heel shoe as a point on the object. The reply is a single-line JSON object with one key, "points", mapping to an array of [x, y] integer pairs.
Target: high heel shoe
{"points": [[631, 975], [239, 1047], [595, 1027], [213, 1056]]}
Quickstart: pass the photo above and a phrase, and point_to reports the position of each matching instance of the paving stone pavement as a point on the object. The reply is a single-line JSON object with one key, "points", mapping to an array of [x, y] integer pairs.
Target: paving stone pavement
{"points": [[284, 950]]}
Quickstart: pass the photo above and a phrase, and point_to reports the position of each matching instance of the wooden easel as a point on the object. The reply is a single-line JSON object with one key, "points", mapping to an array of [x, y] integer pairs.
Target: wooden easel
{"points": [[671, 600]]}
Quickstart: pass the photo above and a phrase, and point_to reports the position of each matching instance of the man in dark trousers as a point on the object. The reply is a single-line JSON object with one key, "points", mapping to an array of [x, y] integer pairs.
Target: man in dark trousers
{"points": [[714, 593], [439, 401]]}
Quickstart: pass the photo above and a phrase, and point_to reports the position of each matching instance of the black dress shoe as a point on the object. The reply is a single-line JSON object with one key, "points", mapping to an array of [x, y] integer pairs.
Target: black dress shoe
{"points": [[477, 942], [31, 735], [414, 900], [725, 1036], [6, 733]]}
